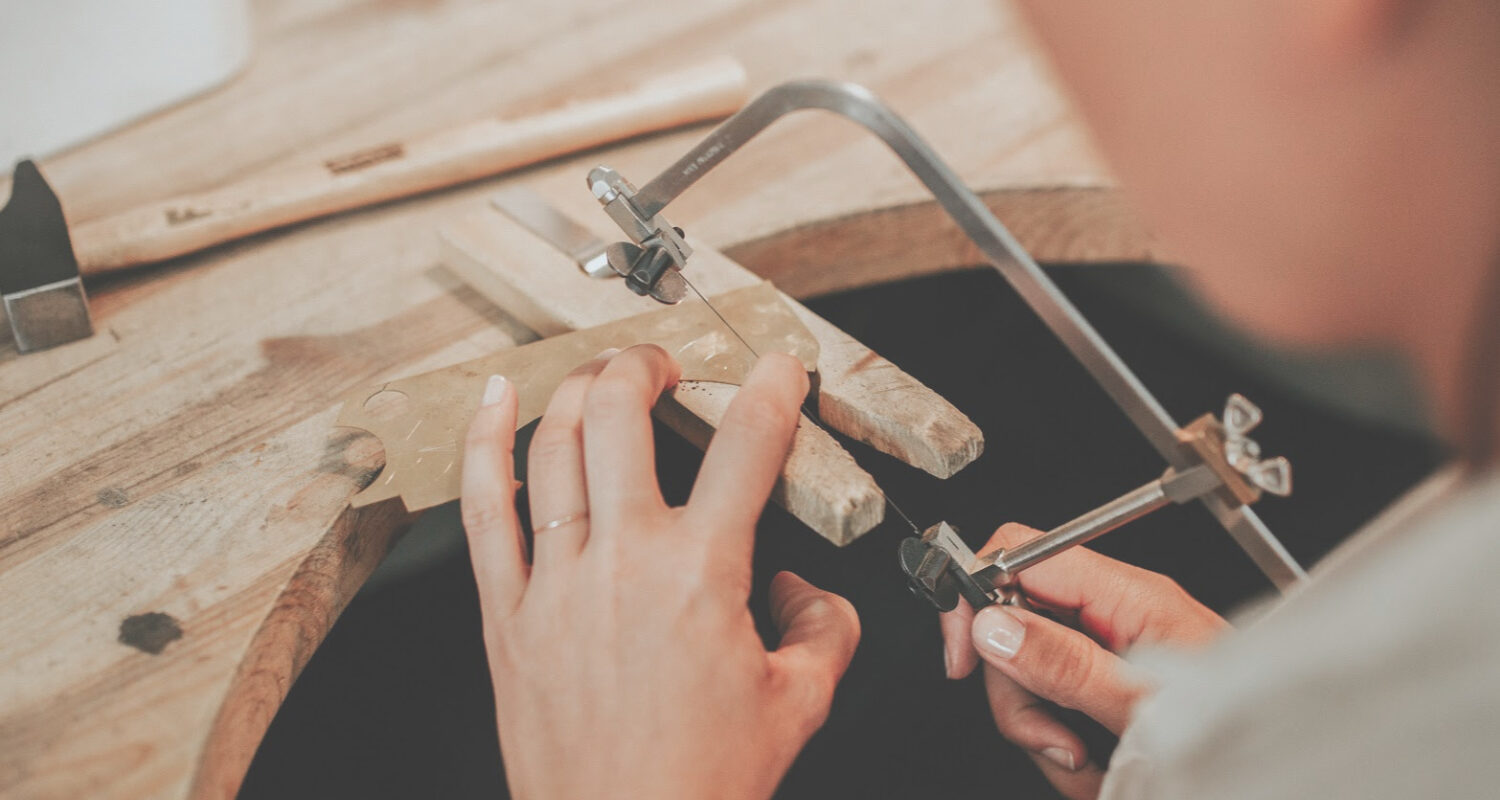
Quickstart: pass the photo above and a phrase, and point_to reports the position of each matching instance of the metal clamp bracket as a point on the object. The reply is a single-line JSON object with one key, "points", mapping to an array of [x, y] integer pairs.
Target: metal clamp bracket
{"points": [[940, 567]]}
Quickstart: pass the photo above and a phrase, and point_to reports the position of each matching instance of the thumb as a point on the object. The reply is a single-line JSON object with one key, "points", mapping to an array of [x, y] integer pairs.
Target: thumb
{"points": [[1056, 663], [819, 632]]}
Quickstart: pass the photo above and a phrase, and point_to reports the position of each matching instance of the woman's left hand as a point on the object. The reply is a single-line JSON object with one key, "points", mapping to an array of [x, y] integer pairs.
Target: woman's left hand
{"points": [[624, 659]]}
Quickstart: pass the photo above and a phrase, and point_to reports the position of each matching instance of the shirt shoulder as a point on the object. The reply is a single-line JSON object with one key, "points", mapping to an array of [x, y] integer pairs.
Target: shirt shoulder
{"points": [[1376, 680]]}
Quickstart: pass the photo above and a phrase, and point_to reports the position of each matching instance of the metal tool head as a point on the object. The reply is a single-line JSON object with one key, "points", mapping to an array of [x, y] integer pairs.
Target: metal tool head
{"points": [[535, 214], [929, 573], [938, 566], [647, 271], [652, 261], [39, 281]]}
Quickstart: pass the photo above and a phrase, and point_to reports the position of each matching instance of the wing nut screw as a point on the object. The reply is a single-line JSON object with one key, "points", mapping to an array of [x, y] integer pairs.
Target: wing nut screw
{"points": [[1273, 475]]}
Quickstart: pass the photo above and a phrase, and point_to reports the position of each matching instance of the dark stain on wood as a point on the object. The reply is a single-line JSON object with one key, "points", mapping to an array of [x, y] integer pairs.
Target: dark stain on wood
{"points": [[353, 162], [355, 454], [186, 214], [113, 497], [150, 633]]}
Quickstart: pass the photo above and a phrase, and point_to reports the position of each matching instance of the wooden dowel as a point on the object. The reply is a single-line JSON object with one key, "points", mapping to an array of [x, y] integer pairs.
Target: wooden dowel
{"points": [[397, 169]]}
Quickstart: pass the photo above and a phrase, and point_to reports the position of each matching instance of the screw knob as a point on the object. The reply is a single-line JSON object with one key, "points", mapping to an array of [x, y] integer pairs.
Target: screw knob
{"points": [[1272, 475]]}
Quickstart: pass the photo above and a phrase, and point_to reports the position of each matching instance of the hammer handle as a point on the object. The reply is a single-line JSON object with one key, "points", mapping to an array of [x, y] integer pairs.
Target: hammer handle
{"points": [[479, 149]]}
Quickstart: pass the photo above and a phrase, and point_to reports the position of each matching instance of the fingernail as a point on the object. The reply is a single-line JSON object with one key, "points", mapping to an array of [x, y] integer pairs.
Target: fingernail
{"points": [[494, 390], [998, 632], [605, 355], [947, 662], [1061, 756]]}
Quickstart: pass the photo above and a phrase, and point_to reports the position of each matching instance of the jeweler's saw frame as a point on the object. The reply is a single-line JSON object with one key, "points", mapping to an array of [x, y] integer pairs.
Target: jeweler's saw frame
{"points": [[651, 265]]}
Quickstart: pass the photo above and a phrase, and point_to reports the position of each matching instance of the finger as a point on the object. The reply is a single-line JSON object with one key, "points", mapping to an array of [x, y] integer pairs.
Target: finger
{"points": [[819, 633], [1075, 784], [959, 657], [1121, 604], [1115, 602], [619, 452], [745, 458], [1058, 751], [1023, 718], [488, 499], [1056, 663], [555, 468]]}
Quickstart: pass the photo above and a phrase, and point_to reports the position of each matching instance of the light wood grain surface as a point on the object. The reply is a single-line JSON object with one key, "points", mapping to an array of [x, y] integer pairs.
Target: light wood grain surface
{"points": [[179, 474]]}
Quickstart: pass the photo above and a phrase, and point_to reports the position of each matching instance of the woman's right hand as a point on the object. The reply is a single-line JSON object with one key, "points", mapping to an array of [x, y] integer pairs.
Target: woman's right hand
{"points": [[1109, 606]]}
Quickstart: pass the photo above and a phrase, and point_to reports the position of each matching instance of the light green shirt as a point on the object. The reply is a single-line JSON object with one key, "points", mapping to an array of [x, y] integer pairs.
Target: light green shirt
{"points": [[1380, 678]]}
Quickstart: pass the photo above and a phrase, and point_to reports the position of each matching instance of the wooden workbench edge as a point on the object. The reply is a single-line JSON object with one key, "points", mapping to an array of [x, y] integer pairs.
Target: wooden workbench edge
{"points": [[301, 617]]}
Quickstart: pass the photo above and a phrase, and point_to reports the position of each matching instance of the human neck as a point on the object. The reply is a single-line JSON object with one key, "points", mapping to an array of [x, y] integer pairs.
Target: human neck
{"points": [[1449, 307], [1456, 338]]}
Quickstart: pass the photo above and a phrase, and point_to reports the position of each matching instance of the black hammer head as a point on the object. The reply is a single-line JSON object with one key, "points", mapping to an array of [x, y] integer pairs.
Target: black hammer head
{"points": [[39, 280]]}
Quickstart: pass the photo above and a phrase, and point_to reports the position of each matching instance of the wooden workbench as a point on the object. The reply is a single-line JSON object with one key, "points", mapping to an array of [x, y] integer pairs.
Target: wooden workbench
{"points": [[175, 538]]}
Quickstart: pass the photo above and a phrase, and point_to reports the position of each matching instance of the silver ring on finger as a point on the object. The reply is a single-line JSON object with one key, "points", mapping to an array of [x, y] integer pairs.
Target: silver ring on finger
{"points": [[560, 521]]}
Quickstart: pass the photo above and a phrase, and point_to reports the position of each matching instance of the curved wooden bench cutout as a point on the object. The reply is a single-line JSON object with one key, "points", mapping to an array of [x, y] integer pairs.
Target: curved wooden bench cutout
{"points": [[1054, 223], [303, 613]]}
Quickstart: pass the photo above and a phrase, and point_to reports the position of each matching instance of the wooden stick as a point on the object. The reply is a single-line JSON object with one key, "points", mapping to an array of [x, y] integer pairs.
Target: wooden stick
{"points": [[397, 169], [821, 484]]}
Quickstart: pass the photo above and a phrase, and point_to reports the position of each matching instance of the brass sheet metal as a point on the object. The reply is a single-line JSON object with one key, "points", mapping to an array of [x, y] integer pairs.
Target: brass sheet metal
{"points": [[421, 420]]}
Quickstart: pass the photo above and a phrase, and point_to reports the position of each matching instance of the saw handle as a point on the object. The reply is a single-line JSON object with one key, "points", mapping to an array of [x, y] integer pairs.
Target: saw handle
{"points": [[397, 169]]}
